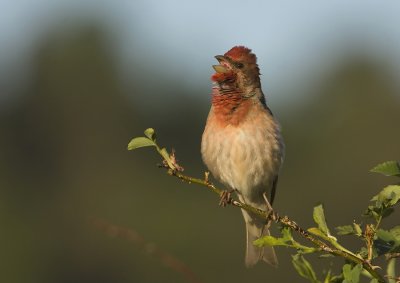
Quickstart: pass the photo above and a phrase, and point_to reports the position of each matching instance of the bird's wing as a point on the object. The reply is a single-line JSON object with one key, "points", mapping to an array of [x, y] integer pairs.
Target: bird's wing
{"points": [[273, 189]]}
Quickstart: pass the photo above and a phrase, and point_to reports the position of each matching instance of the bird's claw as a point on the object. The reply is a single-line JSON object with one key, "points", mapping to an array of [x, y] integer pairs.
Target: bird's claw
{"points": [[226, 198]]}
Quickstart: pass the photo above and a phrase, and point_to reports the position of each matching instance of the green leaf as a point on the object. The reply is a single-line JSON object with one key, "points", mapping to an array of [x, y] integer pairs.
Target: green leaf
{"points": [[352, 274], [374, 281], [384, 202], [389, 196], [150, 133], [388, 168], [273, 241], [319, 218], [354, 229], [140, 142], [286, 240], [328, 277], [366, 274], [385, 235], [345, 230], [317, 232], [270, 241], [387, 241], [357, 229], [391, 270], [373, 211], [395, 231], [287, 234], [377, 212], [304, 268]]}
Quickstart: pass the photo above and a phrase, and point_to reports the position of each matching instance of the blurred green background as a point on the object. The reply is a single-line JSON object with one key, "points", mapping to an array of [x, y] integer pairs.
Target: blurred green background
{"points": [[79, 79]]}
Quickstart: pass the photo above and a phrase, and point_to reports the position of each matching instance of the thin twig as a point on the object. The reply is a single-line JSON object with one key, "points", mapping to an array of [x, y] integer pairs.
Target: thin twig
{"points": [[149, 248], [392, 255], [369, 239]]}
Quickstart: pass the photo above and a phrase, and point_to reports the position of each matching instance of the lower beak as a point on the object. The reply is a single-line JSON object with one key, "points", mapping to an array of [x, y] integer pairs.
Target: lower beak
{"points": [[220, 68]]}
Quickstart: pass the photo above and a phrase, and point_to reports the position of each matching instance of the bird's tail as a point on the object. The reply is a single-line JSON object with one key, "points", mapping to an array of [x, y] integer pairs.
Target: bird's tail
{"points": [[257, 228]]}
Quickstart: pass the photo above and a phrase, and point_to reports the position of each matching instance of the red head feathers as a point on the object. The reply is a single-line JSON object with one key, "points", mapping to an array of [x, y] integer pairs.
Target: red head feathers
{"points": [[241, 53]]}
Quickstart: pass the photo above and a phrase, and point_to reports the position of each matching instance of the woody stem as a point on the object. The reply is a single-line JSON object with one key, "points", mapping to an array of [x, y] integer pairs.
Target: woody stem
{"points": [[286, 221]]}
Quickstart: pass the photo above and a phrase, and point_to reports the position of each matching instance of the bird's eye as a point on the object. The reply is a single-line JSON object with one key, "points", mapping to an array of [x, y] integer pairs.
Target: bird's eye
{"points": [[238, 65]]}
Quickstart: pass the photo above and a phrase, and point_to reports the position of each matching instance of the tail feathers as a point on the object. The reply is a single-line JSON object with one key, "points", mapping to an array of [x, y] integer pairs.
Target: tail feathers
{"points": [[253, 253]]}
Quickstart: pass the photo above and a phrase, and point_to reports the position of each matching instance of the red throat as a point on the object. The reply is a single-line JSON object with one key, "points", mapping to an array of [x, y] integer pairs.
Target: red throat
{"points": [[223, 77], [230, 107]]}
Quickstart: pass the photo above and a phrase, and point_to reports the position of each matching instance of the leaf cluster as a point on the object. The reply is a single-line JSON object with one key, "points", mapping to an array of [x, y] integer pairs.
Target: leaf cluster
{"points": [[377, 241]]}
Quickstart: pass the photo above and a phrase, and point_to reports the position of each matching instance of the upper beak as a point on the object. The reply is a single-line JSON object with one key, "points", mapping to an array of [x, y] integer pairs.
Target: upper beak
{"points": [[220, 58]]}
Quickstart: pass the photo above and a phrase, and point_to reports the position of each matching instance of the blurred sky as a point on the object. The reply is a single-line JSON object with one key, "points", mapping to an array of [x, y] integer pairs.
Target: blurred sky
{"points": [[291, 38]]}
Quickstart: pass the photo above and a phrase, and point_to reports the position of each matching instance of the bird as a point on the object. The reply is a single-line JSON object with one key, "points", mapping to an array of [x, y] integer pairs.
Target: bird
{"points": [[242, 145]]}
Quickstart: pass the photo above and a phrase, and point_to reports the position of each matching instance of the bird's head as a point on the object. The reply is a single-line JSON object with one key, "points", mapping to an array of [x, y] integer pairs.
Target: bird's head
{"points": [[237, 69]]}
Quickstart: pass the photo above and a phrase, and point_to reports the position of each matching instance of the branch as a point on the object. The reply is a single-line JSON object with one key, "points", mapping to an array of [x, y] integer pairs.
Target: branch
{"points": [[174, 169], [284, 221]]}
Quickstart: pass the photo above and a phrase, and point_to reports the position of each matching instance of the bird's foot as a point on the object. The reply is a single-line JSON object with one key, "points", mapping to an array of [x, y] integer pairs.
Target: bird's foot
{"points": [[269, 206], [225, 198], [271, 214]]}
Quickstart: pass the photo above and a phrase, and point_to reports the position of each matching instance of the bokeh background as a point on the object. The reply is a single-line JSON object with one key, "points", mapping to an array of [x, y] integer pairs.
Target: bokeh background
{"points": [[79, 79]]}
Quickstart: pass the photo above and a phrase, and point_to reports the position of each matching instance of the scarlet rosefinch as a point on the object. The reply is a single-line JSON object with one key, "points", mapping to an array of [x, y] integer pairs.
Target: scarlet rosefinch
{"points": [[242, 144]]}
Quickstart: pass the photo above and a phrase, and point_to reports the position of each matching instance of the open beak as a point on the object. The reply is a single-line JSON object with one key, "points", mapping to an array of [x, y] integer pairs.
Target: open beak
{"points": [[220, 68]]}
